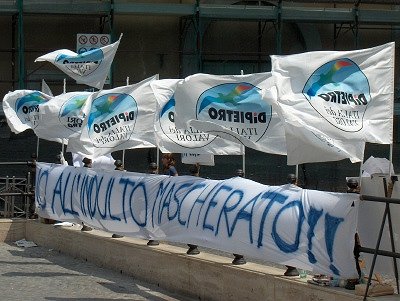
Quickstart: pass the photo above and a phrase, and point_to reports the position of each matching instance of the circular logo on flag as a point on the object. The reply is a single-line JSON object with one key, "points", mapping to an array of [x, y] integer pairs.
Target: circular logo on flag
{"points": [[84, 63], [236, 106], [112, 119], [27, 107], [188, 137], [340, 92], [71, 115]]}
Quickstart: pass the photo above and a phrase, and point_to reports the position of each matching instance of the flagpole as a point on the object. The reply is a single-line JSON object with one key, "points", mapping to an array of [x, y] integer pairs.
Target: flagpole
{"points": [[37, 148], [123, 151], [243, 148], [390, 159], [64, 91], [360, 176]]}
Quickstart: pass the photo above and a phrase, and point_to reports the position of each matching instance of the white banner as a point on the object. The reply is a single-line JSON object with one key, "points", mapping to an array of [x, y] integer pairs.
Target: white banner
{"points": [[202, 159], [23, 109], [309, 229], [90, 67], [179, 139], [337, 96], [232, 107], [120, 118]]}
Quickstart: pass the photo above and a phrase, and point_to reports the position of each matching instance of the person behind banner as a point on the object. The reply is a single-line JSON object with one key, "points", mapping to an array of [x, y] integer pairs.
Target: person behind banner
{"points": [[153, 168], [168, 162], [194, 171], [291, 270], [119, 165], [32, 170], [239, 258], [88, 164]]}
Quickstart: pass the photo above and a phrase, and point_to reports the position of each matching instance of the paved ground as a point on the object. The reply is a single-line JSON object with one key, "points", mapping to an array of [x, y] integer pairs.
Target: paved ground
{"points": [[38, 273]]}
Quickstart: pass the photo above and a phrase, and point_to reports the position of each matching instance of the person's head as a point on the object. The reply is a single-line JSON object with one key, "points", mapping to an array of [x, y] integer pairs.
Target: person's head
{"points": [[194, 170], [291, 179], [118, 165], [239, 173], [153, 168], [33, 156], [87, 162], [58, 159], [168, 160], [352, 185]]}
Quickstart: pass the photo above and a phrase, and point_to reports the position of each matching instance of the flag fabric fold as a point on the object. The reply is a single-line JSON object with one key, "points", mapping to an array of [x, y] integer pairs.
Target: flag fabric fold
{"points": [[335, 100], [62, 116], [346, 94], [90, 68], [117, 119], [183, 139], [24, 109], [231, 106]]}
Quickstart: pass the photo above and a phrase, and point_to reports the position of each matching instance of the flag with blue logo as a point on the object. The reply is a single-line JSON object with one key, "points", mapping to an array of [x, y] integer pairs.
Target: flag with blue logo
{"points": [[52, 118], [183, 139], [62, 116], [90, 68], [24, 109], [232, 107], [335, 100], [117, 119]]}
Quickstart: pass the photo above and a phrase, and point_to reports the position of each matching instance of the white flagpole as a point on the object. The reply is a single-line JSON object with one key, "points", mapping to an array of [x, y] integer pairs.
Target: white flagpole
{"points": [[243, 148], [360, 176], [123, 151], [64, 91], [390, 159]]}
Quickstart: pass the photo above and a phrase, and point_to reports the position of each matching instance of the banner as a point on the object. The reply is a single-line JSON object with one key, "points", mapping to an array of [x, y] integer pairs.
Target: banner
{"points": [[312, 230], [117, 119], [180, 139], [346, 96], [23, 109], [90, 68], [202, 159], [232, 107]]}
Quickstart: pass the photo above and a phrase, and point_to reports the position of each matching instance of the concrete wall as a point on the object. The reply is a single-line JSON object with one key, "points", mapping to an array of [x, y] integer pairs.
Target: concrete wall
{"points": [[205, 276], [12, 229]]}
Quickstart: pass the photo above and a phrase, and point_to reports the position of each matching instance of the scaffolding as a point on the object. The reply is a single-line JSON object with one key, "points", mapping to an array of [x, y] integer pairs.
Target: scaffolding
{"points": [[344, 15]]}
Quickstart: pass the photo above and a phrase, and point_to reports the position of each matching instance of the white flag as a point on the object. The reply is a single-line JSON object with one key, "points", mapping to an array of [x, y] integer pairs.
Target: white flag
{"points": [[90, 68], [62, 116], [231, 106], [345, 95], [116, 119], [182, 139], [307, 145], [46, 89], [23, 109]]}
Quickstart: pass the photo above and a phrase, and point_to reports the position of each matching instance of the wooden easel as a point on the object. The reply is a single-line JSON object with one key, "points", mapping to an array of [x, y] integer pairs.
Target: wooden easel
{"points": [[387, 200]]}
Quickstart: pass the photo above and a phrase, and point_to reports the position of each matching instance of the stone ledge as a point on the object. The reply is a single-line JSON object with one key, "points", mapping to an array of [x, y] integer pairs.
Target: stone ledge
{"points": [[12, 229], [205, 276]]}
